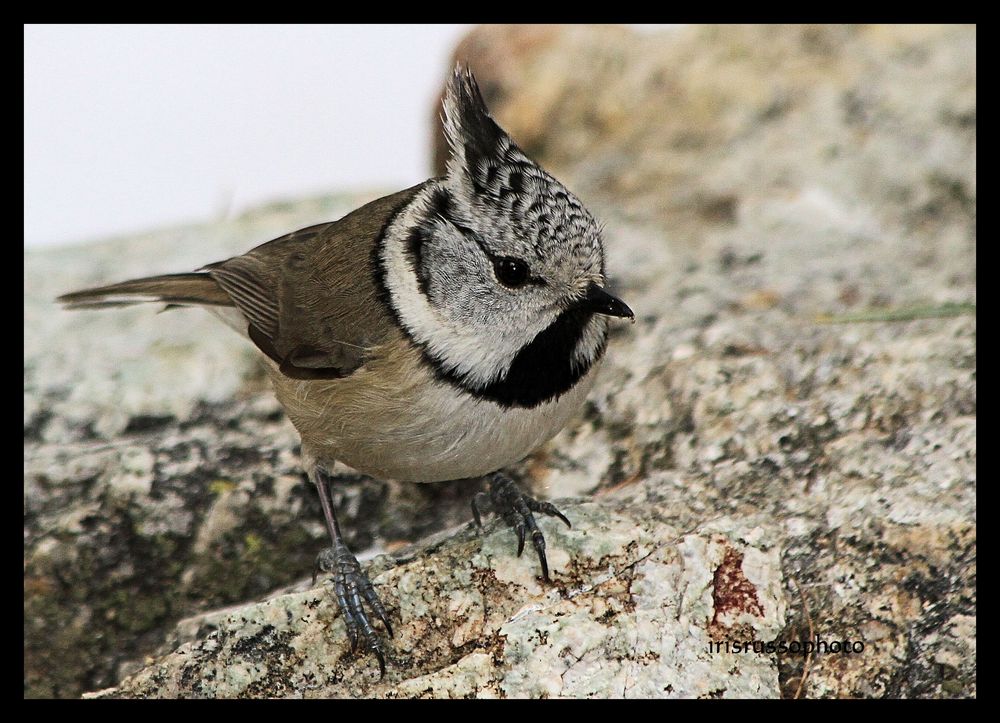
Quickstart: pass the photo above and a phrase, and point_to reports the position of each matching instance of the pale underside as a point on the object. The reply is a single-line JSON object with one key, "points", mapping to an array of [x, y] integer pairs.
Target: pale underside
{"points": [[392, 419]]}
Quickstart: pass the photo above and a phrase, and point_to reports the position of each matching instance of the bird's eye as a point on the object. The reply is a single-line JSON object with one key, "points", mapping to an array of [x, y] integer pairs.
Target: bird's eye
{"points": [[511, 272]]}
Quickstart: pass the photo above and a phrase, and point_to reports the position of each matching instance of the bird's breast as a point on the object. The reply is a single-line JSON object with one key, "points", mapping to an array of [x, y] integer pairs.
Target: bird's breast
{"points": [[394, 419]]}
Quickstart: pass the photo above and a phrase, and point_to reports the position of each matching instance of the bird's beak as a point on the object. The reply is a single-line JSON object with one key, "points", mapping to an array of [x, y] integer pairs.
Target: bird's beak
{"points": [[599, 301]]}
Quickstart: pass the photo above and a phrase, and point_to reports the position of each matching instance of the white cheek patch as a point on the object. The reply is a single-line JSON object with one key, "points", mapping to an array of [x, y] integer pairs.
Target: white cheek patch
{"points": [[480, 358]]}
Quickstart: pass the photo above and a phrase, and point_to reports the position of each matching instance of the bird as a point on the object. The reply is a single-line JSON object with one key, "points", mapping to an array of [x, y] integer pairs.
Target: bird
{"points": [[443, 332]]}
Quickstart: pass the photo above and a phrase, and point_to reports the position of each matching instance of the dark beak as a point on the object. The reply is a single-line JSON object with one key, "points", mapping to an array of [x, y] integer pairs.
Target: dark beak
{"points": [[599, 301]]}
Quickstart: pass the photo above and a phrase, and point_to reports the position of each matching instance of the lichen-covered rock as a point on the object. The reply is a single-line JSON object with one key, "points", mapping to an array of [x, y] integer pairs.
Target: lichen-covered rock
{"points": [[782, 447], [631, 612]]}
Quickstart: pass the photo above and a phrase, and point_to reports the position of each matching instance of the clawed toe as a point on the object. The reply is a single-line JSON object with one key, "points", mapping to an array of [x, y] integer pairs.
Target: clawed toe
{"points": [[351, 585], [516, 508], [547, 508]]}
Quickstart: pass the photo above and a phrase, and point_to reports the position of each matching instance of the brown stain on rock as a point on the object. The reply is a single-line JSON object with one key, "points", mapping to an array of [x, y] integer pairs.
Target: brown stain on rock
{"points": [[732, 594]]}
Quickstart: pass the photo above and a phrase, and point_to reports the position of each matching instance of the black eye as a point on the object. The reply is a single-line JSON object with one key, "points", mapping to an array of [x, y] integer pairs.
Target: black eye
{"points": [[511, 272]]}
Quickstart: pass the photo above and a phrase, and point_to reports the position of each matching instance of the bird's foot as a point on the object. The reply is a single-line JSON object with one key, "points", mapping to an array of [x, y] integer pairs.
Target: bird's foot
{"points": [[351, 584], [506, 499]]}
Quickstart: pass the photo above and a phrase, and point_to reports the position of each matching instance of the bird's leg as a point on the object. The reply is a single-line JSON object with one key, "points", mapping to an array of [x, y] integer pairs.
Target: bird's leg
{"points": [[350, 584], [506, 499]]}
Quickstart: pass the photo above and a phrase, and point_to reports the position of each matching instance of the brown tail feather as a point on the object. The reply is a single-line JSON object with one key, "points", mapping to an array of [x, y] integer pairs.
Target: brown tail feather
{"points": [[175, 289]]}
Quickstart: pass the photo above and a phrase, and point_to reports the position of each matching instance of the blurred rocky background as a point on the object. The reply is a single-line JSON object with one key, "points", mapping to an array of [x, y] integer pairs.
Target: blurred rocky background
{"points": [[782, 446]]}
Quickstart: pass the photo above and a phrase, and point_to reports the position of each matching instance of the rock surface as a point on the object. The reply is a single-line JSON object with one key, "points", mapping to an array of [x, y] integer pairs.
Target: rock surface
{"points": [[473, 620], [746, 468]]}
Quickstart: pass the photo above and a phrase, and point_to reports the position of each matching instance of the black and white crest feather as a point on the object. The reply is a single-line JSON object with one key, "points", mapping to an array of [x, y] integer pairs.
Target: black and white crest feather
{"points": [[473, 135], [505, 186]]}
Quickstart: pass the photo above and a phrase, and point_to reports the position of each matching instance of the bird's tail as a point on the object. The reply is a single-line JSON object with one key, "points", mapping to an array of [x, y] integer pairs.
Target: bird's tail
{"points": [[197, 289]]}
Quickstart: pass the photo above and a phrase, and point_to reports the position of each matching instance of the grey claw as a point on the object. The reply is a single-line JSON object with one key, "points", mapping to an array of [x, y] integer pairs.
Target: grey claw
{"points": [[516, 508], [547, 508], [545, 565], [350, 584]]}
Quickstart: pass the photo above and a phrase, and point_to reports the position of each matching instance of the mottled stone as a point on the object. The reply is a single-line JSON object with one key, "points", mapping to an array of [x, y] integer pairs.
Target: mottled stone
{"points": [[757, 460], [628, 615]]}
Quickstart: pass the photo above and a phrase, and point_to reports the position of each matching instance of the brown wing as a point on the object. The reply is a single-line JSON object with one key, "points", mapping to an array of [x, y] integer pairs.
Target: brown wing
{"points": [[310, 297]]}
